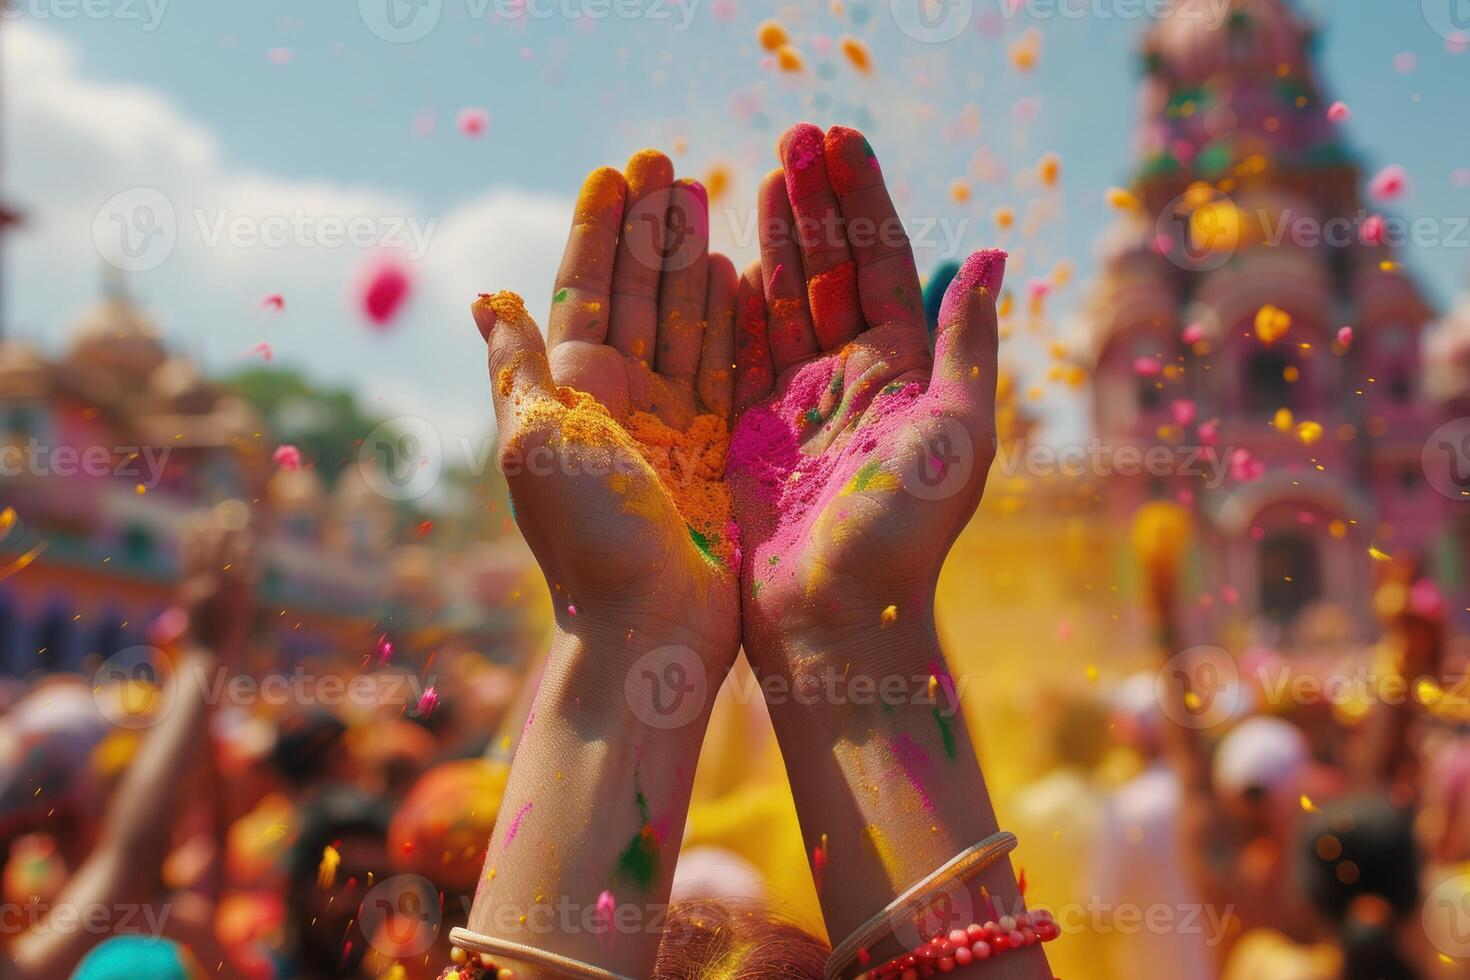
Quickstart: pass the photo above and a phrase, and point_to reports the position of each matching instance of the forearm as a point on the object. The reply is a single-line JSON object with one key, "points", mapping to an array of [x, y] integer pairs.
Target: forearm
{"points": [[125, 868], [886, 781], [583, 852]]}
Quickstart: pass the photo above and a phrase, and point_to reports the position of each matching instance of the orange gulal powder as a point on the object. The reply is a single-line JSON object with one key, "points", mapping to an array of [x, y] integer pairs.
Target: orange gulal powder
{"points": [[690, 465]]}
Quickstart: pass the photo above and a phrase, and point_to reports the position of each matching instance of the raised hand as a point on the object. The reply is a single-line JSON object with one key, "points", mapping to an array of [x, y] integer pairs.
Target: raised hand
{"points": [[614, 449], [857, 456], [217, 573]]}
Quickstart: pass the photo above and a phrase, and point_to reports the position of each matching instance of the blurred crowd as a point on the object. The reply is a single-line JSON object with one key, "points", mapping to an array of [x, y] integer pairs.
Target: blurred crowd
{"points": [[1243, 817]]}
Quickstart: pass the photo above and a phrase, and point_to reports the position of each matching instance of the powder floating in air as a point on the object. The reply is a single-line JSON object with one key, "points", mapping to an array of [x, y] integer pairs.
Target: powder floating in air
{"points": [[385, 287]]}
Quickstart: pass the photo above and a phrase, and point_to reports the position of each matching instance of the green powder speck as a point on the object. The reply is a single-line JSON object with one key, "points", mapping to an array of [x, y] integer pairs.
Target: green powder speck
{"points": [[702, 543], [946, 731]]}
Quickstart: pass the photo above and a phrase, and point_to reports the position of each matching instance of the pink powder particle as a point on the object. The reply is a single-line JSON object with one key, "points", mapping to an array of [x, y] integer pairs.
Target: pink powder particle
{"points": [[1338, 112], [1405, 62], [473, 122], [428, 701], [606, 908], [275, 302], [287, 457], [279, 56], [1147, 367], [385, 649], [1244, 467], [1194, 333], [1183, 411], [1345, 337], [1390, 184], [1373, 230], [383, 291]]}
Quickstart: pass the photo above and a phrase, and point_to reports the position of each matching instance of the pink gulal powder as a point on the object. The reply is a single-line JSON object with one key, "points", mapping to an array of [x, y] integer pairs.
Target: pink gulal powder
{"points": [[783, 486]]}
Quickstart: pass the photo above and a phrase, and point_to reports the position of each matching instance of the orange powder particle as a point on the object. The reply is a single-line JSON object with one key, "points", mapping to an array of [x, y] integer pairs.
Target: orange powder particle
{"points": [[789, 59], [857, 54], [772, 35]]}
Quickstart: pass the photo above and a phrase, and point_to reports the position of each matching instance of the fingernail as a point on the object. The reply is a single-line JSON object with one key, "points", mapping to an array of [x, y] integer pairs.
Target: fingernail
{"points": [[985, 269], [484, 315]]}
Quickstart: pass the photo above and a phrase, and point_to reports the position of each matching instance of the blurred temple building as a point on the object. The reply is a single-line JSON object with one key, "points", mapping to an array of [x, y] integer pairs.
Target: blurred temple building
{"points": [[1219, 306], [106, 453]]}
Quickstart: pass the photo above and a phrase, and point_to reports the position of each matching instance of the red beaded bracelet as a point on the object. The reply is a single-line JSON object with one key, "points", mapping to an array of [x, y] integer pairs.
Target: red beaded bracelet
{"points": [[961, 947]]}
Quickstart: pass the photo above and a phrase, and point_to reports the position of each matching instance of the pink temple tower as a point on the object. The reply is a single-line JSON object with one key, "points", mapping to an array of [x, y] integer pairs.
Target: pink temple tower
{"points": [[1312, 446]]}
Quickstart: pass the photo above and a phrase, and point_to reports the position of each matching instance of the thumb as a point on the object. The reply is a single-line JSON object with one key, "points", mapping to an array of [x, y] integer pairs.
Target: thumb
{"points": [[966, 340], [519, 373]]}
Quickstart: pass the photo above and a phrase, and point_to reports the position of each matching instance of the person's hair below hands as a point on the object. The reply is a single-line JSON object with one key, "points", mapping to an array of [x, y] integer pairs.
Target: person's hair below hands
{"points": [[736, 941]]}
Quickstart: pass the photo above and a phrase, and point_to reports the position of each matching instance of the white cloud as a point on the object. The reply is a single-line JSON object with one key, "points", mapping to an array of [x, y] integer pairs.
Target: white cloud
{"points": [[74, 143]]}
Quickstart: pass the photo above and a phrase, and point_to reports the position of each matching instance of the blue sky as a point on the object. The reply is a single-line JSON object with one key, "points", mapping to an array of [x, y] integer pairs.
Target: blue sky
{"points": [[198, 107]]}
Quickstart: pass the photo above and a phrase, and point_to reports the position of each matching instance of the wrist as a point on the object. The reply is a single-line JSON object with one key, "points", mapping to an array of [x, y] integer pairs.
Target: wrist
{"points": [[870, 674], [638, 681]]}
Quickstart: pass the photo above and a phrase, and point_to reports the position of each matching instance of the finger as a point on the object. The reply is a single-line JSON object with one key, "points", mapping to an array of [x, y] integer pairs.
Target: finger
{"points": [[791, 334], [966, 341], [887, 280], [755, 372], [579, 304], [633, 321], [716, 380], [831, 287], [684, 287], [519, 374]]}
